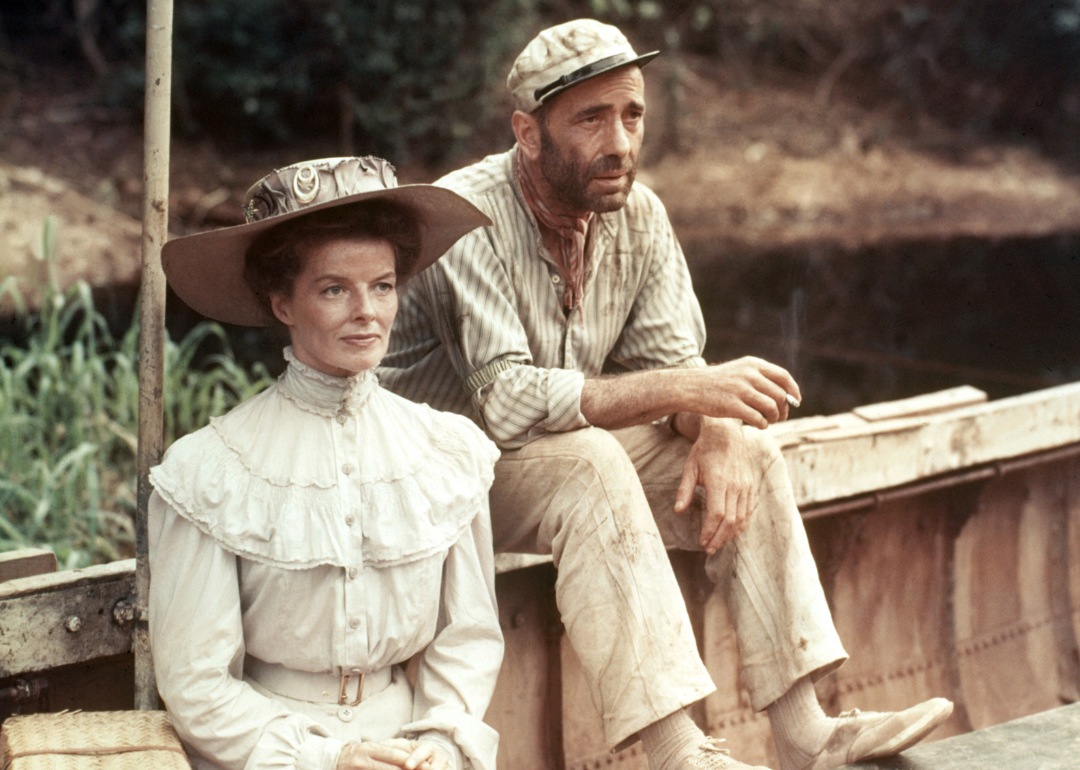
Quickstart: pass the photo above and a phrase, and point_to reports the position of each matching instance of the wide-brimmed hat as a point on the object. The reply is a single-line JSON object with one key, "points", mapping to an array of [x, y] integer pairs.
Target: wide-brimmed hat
{"points": [[565, 55], [207, 270]]}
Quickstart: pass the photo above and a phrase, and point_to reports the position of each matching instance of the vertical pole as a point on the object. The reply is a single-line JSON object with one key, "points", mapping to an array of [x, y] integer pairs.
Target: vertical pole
{"points": [[159, 15]]}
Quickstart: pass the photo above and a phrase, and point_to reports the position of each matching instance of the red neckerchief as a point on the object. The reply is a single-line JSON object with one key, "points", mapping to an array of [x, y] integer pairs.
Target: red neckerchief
{"points": [[569, 256]]}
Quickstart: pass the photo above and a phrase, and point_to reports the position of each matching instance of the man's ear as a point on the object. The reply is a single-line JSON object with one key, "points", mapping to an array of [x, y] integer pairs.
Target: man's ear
{"points": [[527, 132], [280, 306]]}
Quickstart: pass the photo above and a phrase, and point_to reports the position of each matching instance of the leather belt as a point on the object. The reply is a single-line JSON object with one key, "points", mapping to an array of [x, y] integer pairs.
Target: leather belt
{"points": [[347, 688]]}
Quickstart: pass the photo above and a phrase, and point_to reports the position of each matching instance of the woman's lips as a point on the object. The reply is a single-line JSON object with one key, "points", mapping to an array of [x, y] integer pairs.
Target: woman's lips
{"points": [[361, 340]]}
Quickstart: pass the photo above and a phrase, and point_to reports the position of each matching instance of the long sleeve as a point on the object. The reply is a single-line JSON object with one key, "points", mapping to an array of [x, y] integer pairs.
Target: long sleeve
{"points": [[475, 311], [197, 638], [458, 669], [665, 327], [483, 331]]}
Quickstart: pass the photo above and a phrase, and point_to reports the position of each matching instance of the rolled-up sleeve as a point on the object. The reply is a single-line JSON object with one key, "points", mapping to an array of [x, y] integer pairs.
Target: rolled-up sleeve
{"points": [[198, 645], [458, 670]]}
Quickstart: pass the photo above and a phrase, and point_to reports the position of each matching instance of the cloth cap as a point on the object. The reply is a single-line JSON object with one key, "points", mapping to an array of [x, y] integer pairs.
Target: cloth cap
{"points": [[207, 270], [565, 55]]}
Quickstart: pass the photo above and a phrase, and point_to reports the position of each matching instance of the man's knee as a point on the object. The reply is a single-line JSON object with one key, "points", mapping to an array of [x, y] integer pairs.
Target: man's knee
{"points": [[763, 447], [588, 452]]}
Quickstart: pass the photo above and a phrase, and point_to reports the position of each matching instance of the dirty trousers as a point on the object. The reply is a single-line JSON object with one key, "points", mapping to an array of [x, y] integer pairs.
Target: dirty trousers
{"points": [[602, 504]]}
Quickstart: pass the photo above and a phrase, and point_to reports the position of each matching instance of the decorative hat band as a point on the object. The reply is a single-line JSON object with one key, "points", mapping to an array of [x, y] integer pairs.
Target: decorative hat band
{"points": [[299, 186]]}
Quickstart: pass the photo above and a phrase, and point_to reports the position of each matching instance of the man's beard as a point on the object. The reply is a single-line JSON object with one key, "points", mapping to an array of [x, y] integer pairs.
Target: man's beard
{"points": [[569, 179]]}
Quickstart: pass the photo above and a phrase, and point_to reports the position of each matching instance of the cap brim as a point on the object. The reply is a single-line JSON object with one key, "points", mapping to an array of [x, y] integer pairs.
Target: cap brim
{"points": [[640, 61], [206, 270]]}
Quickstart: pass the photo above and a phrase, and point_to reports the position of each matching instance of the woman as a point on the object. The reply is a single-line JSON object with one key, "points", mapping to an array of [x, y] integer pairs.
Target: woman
{"points": [[322, 533]]}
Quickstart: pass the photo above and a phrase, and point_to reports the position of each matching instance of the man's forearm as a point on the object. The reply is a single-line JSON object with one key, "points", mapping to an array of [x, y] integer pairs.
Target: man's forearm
{"points": [[747, 389], [632, 399]]}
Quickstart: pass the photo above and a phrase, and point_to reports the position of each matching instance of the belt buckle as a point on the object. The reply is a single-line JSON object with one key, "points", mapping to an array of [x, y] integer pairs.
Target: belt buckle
{"points": [[343, 695]]}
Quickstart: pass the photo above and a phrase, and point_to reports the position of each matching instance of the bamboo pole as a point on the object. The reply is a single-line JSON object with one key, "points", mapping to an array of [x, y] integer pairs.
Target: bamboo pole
{"points": [[159, 15]]}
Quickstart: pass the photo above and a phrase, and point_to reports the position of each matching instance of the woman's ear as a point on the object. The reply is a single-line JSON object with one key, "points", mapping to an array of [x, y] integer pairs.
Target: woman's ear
{"points": [[281, 307], [527, 132]]}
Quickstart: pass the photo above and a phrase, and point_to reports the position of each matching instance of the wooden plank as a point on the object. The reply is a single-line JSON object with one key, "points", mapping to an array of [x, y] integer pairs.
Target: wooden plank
{"points": [[835, 464], [26, 562], [63, 618], [928, 403], [1046, 741]]}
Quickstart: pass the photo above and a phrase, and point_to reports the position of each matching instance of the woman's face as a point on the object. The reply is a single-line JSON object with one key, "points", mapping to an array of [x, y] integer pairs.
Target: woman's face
{"points": [[342, 306]]}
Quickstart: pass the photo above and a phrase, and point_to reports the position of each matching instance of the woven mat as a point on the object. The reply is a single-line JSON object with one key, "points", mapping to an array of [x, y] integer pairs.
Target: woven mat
{"points": [[91, 740]]}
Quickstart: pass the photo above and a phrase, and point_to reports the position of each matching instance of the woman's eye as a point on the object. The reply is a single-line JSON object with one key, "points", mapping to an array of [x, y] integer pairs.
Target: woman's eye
{"points": [[385, 287], [333, 291]]}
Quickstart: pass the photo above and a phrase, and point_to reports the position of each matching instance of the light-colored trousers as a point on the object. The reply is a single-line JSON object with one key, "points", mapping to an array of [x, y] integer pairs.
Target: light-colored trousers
{"points": [[602, 504]]}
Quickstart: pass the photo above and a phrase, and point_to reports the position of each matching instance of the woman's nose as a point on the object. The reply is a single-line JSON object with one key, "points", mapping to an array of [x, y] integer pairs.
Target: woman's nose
{"points": [[363, 307]]}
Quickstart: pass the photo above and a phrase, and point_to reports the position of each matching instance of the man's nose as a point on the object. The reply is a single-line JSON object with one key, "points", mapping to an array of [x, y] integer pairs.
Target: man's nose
{"points": [[617, 140]]}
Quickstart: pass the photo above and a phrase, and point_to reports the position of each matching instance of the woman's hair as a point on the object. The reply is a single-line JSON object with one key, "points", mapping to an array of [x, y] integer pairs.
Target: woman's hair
{"points": [[277, 256]]}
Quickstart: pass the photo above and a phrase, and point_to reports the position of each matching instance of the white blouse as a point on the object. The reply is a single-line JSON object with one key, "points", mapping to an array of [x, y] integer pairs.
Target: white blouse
{"points": [[323, 525]]}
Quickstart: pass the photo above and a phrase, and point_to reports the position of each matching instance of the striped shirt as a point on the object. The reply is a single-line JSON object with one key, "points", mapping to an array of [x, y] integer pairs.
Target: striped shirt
{"points": [[483, 331]]}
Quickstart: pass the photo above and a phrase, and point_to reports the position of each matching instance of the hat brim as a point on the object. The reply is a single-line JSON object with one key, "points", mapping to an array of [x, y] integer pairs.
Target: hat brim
{"points": [[640, 61], [206, 270]]}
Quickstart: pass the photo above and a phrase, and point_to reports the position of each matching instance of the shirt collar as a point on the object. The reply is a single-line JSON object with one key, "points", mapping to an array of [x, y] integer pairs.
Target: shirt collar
{"points": [[323, 393]]}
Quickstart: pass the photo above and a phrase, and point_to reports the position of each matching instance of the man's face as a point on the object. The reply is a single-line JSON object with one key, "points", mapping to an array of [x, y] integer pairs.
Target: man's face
{"points": [[590, 138]]}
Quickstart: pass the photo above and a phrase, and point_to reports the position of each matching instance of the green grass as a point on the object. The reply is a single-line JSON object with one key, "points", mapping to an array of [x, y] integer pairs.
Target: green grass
{"points": [[69, 398]]}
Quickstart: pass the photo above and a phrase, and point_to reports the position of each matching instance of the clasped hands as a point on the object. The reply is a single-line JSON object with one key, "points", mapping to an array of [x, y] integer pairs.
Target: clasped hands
{"points": [[392, 754], [724, 397]]}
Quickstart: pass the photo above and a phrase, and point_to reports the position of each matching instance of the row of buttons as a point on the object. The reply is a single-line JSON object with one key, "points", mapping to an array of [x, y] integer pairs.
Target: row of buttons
{"points": [[346, 713]]}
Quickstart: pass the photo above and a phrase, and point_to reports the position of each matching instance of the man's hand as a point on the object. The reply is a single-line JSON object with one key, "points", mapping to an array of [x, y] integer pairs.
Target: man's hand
{"points": [[748, 389], [719, 462]]}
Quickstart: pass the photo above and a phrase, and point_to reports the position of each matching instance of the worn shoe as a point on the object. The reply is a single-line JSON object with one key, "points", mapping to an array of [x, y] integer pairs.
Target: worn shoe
{"points": [[863, 735], [711, 756]]}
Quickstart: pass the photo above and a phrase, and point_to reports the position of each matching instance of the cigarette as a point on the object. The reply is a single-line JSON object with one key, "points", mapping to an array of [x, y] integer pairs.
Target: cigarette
{"points": [[792, 401]]}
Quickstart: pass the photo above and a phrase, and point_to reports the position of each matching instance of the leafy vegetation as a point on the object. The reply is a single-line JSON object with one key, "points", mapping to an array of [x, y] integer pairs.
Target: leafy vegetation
{"points": [[69, 399], [409, 79]]}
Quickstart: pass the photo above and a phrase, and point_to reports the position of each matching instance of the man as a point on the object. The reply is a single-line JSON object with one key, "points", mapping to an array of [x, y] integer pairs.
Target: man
{"points": [[569, 329]]}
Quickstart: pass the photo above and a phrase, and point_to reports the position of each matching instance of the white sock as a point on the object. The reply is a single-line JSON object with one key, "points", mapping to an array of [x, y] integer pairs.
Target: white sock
{"points": [[671, 740], [800, 728]]}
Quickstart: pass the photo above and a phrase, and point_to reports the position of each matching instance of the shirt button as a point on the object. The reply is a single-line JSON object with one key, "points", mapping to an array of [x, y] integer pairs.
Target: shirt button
{"points": [[354, 623], [341, 419], [350, 520], [345, 714], [346, 469], [353, 572], [555, 279]]}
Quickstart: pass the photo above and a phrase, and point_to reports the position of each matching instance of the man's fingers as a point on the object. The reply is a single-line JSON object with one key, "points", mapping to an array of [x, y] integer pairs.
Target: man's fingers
{"points": [[687, 484]]}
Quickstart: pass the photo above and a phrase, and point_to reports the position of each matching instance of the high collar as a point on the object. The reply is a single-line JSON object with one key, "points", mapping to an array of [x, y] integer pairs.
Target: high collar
{"points": [[322, 393]]}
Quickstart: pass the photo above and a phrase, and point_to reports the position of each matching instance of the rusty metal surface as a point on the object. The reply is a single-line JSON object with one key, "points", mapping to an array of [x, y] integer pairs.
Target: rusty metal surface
{"points": [[527, 706], [63, 618]]}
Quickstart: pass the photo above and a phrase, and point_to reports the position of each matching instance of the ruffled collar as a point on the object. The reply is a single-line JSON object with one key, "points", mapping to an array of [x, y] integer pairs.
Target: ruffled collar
{"points": [[324, 394], [279, 478]]}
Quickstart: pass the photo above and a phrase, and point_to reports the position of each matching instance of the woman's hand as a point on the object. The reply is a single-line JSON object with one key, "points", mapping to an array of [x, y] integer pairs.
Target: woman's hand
{"points": [[422, 755], [369, 755], [391, 755]]}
